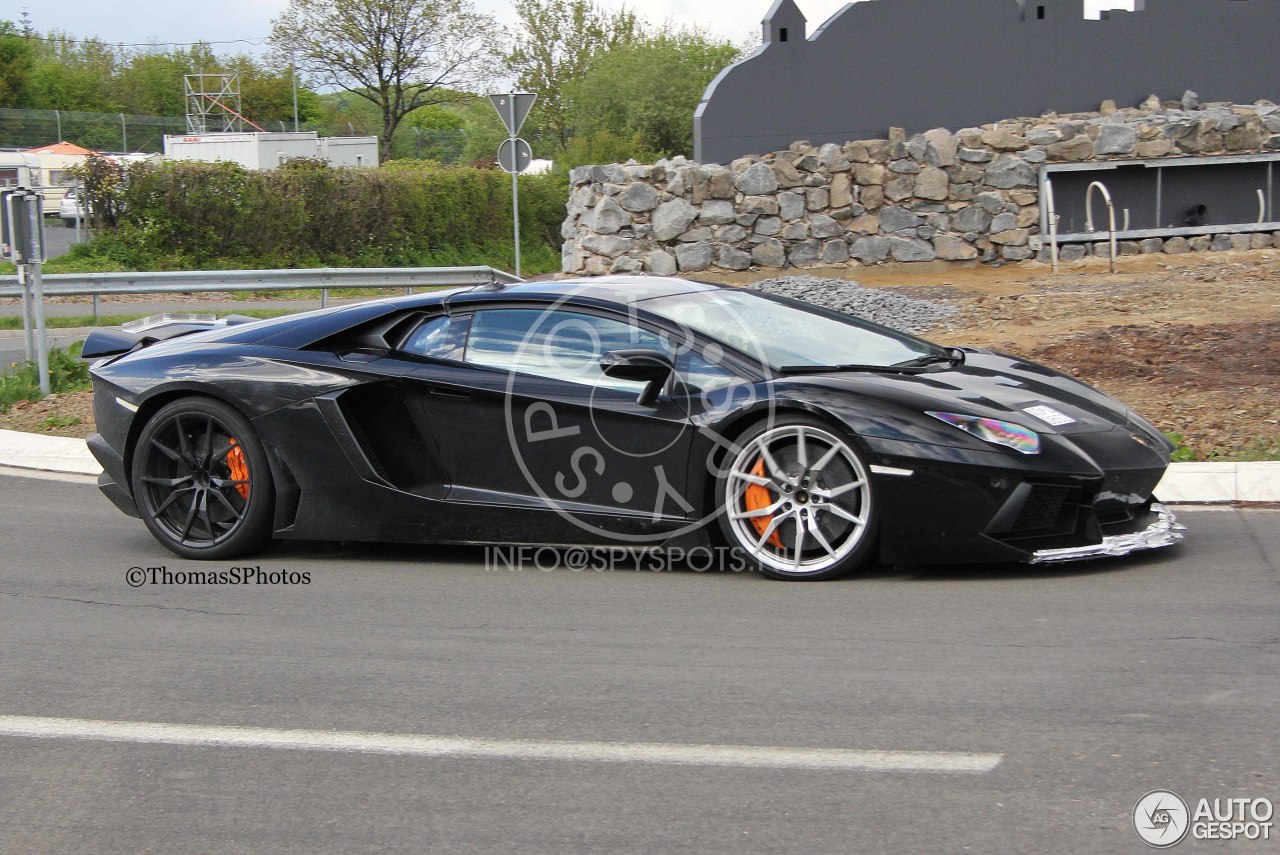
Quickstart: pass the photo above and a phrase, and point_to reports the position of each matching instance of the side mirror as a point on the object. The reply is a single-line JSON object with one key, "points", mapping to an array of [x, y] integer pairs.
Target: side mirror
{"points": [[640, 366]]}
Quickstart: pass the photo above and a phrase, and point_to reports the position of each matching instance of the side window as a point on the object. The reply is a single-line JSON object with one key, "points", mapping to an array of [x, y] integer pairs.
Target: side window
{"points": [[439, 338], [560, 344], [701, 375]]}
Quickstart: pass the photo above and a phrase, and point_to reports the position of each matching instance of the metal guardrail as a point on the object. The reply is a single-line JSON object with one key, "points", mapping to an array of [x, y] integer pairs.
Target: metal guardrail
{"points": [[324, 278]]}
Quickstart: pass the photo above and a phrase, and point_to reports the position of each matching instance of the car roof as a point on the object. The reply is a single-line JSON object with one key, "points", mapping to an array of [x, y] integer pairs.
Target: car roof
{"points": [[603, 289]]}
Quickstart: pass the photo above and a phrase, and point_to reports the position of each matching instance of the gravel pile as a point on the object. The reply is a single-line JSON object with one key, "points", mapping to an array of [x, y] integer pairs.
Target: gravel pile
{"points": [[880, 307]]}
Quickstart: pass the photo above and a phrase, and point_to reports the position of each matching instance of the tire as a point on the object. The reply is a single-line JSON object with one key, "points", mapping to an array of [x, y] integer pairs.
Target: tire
{"points": [[202, 482], [69, 223], [797, 498]]}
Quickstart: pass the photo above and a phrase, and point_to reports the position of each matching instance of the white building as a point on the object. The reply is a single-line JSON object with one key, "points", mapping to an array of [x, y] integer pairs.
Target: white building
{"points": [[267, 150]]}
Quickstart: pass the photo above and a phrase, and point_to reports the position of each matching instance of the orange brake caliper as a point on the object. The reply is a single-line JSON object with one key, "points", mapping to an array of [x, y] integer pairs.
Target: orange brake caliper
{"points": [[239, 468], [758, 497]]}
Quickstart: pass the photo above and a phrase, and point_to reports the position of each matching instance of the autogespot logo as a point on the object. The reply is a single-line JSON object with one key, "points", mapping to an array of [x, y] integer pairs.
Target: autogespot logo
{"points": [[607, 445], [1161, 819]]}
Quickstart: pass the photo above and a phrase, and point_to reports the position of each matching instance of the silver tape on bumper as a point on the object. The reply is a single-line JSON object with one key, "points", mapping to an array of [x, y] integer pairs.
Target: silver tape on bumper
{"points": [[1164, 531]]}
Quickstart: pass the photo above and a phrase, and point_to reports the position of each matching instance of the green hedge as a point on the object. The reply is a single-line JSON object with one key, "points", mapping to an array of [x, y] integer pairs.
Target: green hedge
{"points": [[307, 214]]}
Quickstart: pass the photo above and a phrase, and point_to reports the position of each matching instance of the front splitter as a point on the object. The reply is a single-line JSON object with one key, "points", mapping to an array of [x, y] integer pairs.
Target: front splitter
{"points": [[1165, 530]]}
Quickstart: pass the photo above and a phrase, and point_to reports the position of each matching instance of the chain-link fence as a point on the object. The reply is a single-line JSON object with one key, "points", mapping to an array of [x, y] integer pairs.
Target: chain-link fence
{"points": [[115, 132]]}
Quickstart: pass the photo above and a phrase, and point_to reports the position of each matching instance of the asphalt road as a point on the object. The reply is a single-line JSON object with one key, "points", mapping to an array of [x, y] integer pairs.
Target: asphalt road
{"points": [[1091, 685]]}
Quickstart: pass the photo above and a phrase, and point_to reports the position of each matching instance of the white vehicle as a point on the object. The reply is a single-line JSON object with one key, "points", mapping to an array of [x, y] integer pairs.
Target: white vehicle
{"points": [[71, 208]]}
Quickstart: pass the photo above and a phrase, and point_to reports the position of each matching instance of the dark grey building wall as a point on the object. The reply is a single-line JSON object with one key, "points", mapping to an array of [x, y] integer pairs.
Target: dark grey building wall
{"points": [[921, 64]]}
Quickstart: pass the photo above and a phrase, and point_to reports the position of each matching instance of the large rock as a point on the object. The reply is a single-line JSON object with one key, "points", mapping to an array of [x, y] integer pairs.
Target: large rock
{"points": [[607, 217], [871, 249], [806, 254], [757, 180], [1077, 148], [1116, 139], [952, 248], [660, 263], [869, 173], [932, 183], [610, 173], [607, 245], [911, 249], [771, 253], [1011, 237], [822, 226], [693, 257], [671, 219], [894, 218], [835, 251], [842, 190], [974, 218], [572, 258], [639, 197], [768, 226], [1004, 222], [733, 259], [900, 189], [732, 233], [717, 213], [791, 205], [759, 205], [944, 146], [624, 265], [1007, 171], [1004, 139]]}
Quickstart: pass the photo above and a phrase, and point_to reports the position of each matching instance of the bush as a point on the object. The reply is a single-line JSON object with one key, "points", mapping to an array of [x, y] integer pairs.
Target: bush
{"points": [[67, 373], [306, 214]]}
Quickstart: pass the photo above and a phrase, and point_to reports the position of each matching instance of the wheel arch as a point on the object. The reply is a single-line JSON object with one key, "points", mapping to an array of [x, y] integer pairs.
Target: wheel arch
{"points": [[738, 424], [152, 405]]}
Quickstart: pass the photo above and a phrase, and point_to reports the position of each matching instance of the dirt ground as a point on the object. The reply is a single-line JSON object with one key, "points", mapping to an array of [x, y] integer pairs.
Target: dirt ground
{"points": [[1190, 341]]}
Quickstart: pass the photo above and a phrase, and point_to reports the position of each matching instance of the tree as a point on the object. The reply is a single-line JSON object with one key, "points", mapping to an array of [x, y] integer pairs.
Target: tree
{"points": [[648, 90], [554, 44], [15, 66], [398, 54]]}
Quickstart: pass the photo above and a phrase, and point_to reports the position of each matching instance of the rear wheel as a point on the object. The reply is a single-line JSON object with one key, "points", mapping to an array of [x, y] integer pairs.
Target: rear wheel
{"points": [[797, 499], [201, 480]]}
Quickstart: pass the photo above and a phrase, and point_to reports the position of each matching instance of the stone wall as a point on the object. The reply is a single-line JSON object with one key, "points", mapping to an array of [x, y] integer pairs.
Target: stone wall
{"points": [[972, 194]]}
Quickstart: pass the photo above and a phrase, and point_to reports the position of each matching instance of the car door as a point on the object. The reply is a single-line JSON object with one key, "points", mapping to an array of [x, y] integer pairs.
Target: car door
{"points": [[529, 418]]}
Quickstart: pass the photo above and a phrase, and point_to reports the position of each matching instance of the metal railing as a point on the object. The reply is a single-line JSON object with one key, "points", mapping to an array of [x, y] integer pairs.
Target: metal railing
{"points": [[99, 285]]}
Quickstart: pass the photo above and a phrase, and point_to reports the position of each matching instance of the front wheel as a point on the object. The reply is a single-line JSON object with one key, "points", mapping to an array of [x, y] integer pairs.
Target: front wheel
{"points": [[201, 480], [797, 499]]}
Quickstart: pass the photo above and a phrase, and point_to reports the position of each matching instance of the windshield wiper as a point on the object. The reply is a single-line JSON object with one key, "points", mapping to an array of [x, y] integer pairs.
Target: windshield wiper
{"points": [[835, 369], [953, 356]]}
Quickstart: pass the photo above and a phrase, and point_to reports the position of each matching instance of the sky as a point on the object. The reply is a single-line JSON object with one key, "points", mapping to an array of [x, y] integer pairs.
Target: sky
{"points": [[183, 21]]}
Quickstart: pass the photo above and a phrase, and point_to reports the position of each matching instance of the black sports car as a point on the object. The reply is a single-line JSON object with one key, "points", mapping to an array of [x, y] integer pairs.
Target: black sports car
{"points": [[633, 411]]}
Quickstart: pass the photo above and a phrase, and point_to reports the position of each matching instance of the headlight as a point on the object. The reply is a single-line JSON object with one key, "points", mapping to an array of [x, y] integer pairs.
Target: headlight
{"points": [[1008, 434]]}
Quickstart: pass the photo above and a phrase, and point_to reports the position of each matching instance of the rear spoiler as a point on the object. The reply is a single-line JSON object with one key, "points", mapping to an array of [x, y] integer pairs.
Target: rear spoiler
{"points": [[135, 335]]}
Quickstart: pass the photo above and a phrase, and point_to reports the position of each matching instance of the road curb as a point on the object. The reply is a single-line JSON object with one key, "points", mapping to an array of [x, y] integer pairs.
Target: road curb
{"points": [[46, 453], [1184, 483]]}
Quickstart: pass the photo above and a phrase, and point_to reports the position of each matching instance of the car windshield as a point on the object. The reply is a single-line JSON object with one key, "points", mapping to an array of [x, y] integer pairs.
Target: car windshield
{"points": [[783, 333]]}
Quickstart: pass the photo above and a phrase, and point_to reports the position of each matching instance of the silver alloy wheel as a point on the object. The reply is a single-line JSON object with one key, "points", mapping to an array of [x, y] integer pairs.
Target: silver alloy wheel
{"points": [[818, 499]]}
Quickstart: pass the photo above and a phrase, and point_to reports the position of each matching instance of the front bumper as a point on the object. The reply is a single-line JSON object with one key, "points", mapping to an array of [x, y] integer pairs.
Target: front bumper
{"points": [[1164, 530]]}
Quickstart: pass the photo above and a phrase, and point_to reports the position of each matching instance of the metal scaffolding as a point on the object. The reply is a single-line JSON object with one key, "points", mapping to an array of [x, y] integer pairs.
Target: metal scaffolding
{"points": [[213, 103]]}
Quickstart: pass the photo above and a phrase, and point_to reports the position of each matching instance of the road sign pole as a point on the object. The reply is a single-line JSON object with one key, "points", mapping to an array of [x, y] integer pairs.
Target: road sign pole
{"points": [[36, 257], [515, 184], [28, 320]]}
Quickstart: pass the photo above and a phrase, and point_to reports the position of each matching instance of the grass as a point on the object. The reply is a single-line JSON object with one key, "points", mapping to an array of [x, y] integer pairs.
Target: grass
{"points": [[60, 422], [67, 373], [1260, 449]]}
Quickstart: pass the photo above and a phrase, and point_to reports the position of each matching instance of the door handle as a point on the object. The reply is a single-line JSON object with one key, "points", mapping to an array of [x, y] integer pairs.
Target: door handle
{"points": [[453, 394]]}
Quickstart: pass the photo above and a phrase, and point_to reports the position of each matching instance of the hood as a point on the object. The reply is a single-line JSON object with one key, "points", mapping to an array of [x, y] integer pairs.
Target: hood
{"points": [[993, 385]]}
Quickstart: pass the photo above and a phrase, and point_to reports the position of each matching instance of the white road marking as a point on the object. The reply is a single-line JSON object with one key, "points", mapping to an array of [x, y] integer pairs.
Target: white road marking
{"points": [[45, 475], [765, 757]]}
